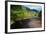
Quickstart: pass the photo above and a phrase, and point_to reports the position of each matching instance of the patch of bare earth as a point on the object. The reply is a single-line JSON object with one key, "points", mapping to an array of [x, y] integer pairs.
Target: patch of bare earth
{"points": [[36, 23]]}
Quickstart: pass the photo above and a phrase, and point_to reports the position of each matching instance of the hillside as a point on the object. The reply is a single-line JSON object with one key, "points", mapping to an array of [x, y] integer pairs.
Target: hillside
{"points": [[19, 12]]}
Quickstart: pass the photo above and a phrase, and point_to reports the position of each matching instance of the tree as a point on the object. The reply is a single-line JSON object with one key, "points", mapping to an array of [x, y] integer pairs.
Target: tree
{"points": [[40, 14]]}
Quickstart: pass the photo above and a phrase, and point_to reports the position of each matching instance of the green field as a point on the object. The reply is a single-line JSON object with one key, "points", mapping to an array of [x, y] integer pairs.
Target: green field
{"points": [[19, 12]]}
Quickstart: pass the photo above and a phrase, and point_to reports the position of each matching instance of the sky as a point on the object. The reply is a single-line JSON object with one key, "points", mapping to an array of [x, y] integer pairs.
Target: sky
{"points": [[34, 7]]}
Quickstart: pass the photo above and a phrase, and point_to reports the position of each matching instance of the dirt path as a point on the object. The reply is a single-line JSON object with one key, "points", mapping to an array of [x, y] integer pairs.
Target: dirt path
{"points": [[28, 23], [36, 23]]}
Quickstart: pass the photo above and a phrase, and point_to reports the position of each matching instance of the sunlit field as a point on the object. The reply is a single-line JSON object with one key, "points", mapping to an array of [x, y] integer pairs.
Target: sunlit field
{"points": [[25, 16]]}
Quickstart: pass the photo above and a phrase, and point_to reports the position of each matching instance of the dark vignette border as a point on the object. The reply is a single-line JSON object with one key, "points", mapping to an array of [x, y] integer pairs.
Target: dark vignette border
{"points": [[6, 31]]}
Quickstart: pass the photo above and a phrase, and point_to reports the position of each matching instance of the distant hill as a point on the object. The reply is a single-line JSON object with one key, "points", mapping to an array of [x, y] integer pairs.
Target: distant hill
{"points": [[34, 10]]}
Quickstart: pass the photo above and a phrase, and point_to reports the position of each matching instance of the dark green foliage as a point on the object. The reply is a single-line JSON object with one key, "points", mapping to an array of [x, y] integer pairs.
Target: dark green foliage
{"points": [[16, 7], [40, 14], [16, 11]]}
